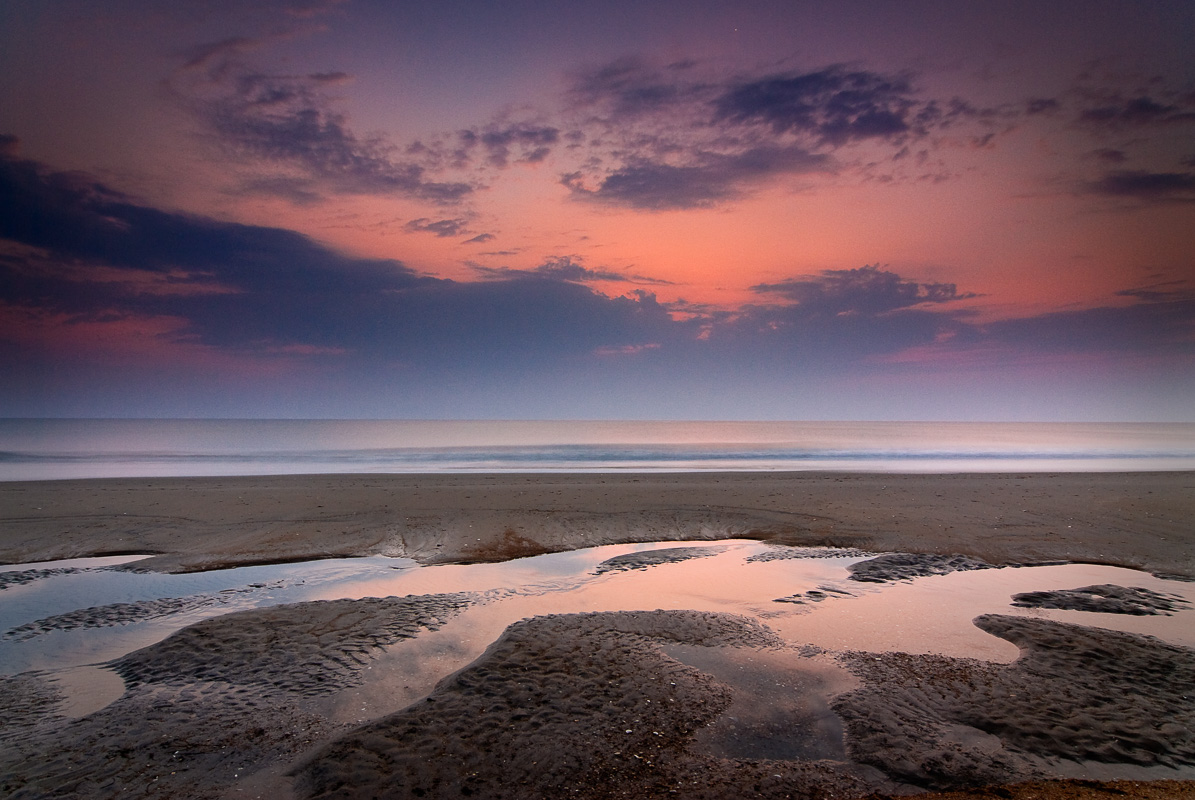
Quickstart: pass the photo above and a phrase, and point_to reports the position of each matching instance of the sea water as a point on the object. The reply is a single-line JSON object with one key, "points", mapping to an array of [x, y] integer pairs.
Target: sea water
{"points": [[47, 449]]}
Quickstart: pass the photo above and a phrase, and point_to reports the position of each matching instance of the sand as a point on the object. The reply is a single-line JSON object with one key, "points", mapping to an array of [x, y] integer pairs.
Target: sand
{"points": [[1140, 520], [630, 704]]}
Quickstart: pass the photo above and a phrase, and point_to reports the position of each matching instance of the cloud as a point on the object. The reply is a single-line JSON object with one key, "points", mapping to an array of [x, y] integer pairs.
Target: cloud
{"points": [[833, 106], [74, 252], [673, 138], [1175, 291], [1042, 105], [630, 87], [1110, 155], [1137, 112], [443, 228], [1160, 324], [480, 238], [708, 179], [86, 250], [566, 268], [627, 349], [287, 121], [1146, 186], [866, 290], [94, 283], [526, 144]]}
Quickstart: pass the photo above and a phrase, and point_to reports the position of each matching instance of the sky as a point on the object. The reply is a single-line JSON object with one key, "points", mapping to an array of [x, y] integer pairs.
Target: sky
{"points": [[610, 210]]}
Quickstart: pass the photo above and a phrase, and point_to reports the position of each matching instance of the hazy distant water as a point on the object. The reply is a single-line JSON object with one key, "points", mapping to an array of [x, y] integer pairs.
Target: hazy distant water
{"points": [[55, 449]]}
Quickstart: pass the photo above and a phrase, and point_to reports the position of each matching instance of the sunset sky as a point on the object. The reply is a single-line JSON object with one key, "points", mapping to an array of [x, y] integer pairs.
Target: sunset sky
{"points": [[701, 210]]}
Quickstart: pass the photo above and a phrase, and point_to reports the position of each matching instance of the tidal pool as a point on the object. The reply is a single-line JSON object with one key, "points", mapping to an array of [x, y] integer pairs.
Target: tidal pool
{"points": [[70, 618]]}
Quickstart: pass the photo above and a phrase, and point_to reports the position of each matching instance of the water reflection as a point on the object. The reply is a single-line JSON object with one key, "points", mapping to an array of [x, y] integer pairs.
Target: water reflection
{"points": [[88, 612]]}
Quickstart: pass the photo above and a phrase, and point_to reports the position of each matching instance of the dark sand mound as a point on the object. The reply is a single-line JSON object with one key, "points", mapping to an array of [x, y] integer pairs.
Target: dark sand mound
{"points": [[584, 706], [786, 552], [903, 566], [1105, 598], [18, 577], [306, 647], [651, 558], [209, 705], [126, 613], [1075, 694], [815, 595]]}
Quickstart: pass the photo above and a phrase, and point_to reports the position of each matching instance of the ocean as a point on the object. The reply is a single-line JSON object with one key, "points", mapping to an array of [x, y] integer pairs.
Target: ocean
{"points": [[52, 449]]}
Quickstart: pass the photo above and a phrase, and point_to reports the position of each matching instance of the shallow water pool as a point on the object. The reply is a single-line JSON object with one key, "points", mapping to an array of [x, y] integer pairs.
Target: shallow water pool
{"points": [[72, 617]]}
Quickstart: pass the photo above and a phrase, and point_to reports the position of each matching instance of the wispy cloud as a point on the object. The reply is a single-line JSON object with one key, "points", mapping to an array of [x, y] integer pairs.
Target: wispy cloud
{"points": [[1138, 111], [444, 228], [567, 268], [1153, 187], [289, 121]]}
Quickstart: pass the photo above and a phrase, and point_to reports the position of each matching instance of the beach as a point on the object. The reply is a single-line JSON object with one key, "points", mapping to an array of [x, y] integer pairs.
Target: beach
{"points": [[608, 704]]}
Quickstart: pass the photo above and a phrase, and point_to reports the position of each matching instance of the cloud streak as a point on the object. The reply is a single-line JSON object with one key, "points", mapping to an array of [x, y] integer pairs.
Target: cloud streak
{"points": [[1153, 187], [289, 121], [443, 228], [566, 268]]}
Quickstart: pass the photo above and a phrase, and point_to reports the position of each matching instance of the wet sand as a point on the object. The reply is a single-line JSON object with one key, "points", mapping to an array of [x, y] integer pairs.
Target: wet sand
{"points": [[1140, 520], [628, 704]]}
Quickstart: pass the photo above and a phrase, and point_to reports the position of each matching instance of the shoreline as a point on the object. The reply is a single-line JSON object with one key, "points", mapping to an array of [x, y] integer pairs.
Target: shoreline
{"points": [[1138, 520]]}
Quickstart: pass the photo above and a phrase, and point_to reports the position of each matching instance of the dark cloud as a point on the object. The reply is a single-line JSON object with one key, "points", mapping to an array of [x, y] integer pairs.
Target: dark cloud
{"points": [[214, 57], [1135, 112], [709, 179], [1147, 186], [866, 290], [1042, 105], [480, 238], [833, 106], [566, 268], [75, 253], [289, 122], [526, 144], [443, 228], [1177, 291], [1161, 324], [630, 87], [1110, 155], [234, 284], [79, 251], [298, 191], [308, 9], [839, 318], [672, 139]]}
